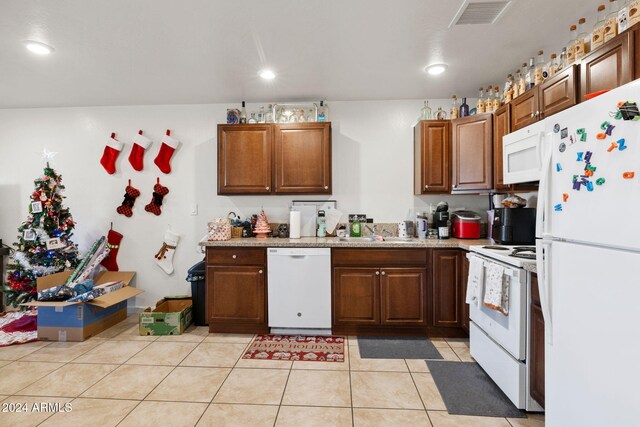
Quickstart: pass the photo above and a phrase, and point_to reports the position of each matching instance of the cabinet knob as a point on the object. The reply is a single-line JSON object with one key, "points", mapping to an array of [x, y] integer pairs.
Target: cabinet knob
{"points": [[260, 271], [234, 256], [326, 187], [383, 273], [533, 115], [537, 113], [377, 273], [426, 186], [266, 188]]}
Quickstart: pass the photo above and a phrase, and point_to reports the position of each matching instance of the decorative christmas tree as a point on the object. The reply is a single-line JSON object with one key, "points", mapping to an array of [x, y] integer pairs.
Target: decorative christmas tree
{"points": [[44, 246], [262, 225]]}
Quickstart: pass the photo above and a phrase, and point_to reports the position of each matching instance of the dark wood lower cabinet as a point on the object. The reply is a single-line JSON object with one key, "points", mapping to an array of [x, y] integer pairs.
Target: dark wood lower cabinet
{"points": [[464, 275], [403, 296], [237, 298], [447, 288], [536, 363], [356, 296]]}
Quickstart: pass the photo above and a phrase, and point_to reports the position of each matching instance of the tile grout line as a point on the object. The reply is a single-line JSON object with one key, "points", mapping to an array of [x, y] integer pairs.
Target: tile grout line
{"points": [[353, 415], [413, 380]]}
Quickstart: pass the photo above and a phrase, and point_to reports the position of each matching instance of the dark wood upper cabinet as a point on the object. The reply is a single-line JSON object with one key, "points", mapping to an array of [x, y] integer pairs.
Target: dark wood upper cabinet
{"points": [[560, 92], [274, 159], [302, 153], [472, 158], [446, 288], [244, 159], [609, 66], [537, 383], [403, 296], [525, 109], [356, 296], [432, 156], [501, 127]]}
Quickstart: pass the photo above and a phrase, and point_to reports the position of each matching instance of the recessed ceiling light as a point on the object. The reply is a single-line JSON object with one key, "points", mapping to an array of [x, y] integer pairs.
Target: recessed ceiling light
{"points": [[267, 74], [436, 69], [38, 48]]}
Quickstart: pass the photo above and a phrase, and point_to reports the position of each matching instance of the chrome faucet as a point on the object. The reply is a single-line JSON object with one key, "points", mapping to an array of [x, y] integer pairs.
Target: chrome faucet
{"points": [[374, 231]]}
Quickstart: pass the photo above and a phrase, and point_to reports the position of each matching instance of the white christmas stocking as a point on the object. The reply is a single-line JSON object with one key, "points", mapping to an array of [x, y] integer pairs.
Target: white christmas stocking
{"points": [[164, 257]]}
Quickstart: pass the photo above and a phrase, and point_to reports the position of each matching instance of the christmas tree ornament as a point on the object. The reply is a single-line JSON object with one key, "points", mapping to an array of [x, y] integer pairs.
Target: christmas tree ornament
{"points": [[140, 144], [159, 191], [130, 196], [262, 229], [43, 247], [110, 154], [113, 243], [167, 149], [164, 257]]}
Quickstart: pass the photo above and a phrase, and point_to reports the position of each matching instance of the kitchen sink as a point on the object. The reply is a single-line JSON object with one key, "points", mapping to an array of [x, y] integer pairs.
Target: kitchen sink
{"points": [[373, 239], [400, 239], [356, 239]]}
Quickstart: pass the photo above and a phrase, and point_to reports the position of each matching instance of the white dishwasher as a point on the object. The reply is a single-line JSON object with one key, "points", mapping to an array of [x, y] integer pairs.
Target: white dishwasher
{"points": [[299, 283]]}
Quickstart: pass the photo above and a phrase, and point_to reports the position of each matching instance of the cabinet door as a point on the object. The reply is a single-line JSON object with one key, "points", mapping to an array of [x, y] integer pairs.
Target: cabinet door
{"points": [[244, 159], [464, 276], [473, 153], [432, 157], [236, 295], [537, 345], [501, 127], [559, 92], [303, 158], [446, 288], [609, 66], [404, 296], [525, 109], [356, 296]]}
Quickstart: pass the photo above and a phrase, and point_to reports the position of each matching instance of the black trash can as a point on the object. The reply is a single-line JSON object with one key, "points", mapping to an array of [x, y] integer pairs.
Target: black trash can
{"points": [[195, 275]]}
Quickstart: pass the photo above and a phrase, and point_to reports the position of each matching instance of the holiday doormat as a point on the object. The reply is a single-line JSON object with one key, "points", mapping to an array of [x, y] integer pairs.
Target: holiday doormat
{"points": [[296, 347], [467, 390], [18, 327]]}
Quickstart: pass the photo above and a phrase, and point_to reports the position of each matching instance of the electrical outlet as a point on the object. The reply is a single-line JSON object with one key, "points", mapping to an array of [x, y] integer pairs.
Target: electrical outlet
{"points": [[194, 209]]}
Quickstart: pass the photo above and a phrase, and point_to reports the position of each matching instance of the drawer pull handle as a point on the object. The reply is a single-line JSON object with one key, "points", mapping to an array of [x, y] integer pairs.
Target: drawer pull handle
{"points": [[234, 256]]}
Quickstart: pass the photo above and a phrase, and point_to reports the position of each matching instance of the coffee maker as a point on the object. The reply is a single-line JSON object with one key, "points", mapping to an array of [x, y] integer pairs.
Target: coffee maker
{"points": [[441, 215]]}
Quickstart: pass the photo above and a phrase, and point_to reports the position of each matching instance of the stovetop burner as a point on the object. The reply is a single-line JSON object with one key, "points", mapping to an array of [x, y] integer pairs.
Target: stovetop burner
{"points": [[495, 248], [526, 252]]}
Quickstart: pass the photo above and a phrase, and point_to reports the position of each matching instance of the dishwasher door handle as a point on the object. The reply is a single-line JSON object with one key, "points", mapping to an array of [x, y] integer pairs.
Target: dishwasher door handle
{"points": [[298, 256]]}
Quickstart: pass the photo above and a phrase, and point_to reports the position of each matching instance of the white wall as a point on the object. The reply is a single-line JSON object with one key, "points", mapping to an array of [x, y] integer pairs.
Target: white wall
{"points": [[372, 174]]}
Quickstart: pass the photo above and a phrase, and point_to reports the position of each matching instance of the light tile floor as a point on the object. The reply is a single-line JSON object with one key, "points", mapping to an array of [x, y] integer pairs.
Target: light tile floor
{"points": [[122, 379]]}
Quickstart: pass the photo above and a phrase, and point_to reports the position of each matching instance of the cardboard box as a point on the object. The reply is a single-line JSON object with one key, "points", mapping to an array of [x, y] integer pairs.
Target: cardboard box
{"points": [[171, 316], [77, 321]]}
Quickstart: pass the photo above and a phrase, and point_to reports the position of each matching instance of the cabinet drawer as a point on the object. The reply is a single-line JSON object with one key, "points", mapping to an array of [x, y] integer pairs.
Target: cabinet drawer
{"points": [[379, 257], [236, 256]]}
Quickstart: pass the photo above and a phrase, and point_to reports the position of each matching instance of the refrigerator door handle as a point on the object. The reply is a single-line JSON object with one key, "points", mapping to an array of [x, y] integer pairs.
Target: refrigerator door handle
{"points": [[543, 249], [542, 216]]}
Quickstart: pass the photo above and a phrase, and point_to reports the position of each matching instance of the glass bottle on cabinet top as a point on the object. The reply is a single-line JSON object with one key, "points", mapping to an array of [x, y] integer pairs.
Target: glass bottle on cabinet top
{"points": [[571, 46], [497, 99], [508, 89], [261, 114], [480, 104], [464, 108], [488, 100], [323, 112], [583, 40], [268, 116], [562, 62], [441, 114], [311, 117], [243, 114], [597, 36], [540, 70], [530, 78], [454, 107], [634, 13], [425, 111], [522, 82], [552, 68], [611, 24], [252, 118], [623, 16]]}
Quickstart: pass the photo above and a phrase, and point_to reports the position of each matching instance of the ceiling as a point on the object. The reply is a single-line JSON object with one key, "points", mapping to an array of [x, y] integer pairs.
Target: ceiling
{"points": [[124, 52]]}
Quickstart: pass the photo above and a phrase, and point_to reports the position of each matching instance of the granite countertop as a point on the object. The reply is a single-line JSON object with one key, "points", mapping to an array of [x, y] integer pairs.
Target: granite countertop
{"points": [[532, 267], [333, 242]]}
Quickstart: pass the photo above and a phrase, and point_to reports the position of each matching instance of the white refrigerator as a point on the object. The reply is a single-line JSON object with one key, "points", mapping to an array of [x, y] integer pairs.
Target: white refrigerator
{"points": [[588, 244]]}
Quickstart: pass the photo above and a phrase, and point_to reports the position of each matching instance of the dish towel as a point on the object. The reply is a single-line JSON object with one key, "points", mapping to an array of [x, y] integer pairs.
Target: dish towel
{"points": [[475, 281], [496, 295]]}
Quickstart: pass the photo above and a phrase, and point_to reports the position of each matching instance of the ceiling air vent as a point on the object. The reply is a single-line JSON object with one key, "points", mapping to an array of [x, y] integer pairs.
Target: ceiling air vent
{"points": [[484, 12]]}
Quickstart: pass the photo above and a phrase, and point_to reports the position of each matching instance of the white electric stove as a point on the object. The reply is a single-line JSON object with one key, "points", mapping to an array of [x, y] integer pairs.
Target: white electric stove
{"points": [[517, 256], [501, 343]]}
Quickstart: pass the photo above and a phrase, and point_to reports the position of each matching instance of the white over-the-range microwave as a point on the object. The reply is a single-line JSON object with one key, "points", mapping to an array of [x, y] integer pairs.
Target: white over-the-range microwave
{"points": [[522, 154]]}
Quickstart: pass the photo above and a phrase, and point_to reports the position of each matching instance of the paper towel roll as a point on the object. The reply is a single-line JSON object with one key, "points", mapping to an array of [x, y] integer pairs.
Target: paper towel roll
{"points": [[294, 224]]}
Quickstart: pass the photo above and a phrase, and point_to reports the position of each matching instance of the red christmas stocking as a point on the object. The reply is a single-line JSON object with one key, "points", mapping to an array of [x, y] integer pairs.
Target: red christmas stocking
{"points": [[113, 243], [110, 154], [130, 196], [167, 149], [136, 157], [159, 191]]}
